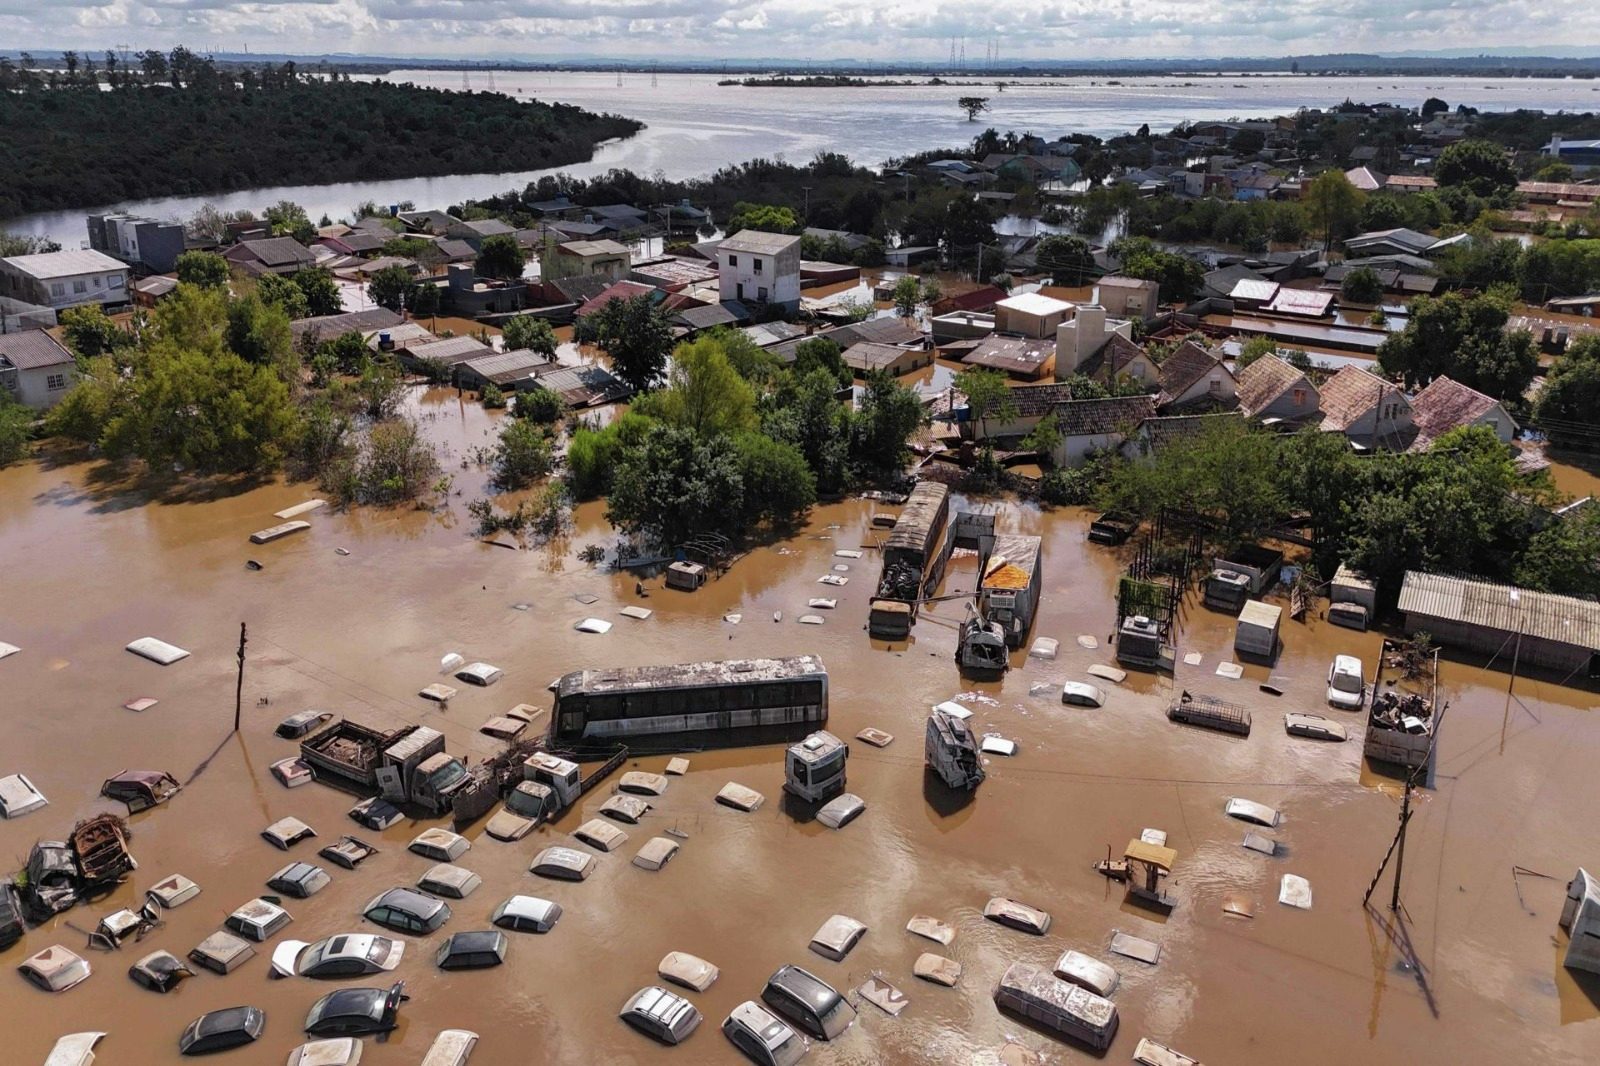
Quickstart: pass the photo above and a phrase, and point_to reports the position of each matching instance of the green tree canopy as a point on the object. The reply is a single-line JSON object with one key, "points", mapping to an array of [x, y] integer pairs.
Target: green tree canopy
{"points": [[769, 218], [676, 485], [1333, 206], [1362, 286], [500, 257], [635, 333], [1464, 338], [988, 393], [534, 334], [320, 290], [704, 393], [1480, 166], [1066, 258], [206, 269]]}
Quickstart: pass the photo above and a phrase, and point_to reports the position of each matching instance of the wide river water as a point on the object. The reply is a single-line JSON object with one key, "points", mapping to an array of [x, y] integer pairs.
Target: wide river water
{"points": [[94, 564], [695, 126]]}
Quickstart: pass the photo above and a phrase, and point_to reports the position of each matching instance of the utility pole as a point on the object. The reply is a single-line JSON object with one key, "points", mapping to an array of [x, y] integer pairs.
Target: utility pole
{"points": [[1516, 656], [806, 214], [238, 688]]}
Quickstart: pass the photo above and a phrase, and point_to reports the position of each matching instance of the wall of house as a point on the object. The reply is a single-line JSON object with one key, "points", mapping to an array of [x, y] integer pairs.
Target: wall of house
{"points": [[1387, 424], [745, 275], [1122, 302], [1287, 405], [1535, 651], [1218, 384], [1074, 451], [43, 387], [101, 287]]}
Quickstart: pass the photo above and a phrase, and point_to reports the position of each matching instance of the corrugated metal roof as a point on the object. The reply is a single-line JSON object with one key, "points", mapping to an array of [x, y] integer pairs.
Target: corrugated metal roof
{"points": [[32, 349], [1503, 608], [46, 265], [759, 242]]}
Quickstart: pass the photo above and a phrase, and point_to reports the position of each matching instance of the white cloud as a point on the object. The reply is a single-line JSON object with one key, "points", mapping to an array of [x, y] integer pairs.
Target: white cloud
{"points": [[801, 29]]}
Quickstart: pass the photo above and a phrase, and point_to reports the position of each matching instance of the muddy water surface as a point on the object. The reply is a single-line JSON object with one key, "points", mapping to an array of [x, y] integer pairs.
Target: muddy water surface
{"points": [[90, 568]]}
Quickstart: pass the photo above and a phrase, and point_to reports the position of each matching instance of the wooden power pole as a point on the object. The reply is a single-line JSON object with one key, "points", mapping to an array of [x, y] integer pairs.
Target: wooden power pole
{"points": [[238, 688]]}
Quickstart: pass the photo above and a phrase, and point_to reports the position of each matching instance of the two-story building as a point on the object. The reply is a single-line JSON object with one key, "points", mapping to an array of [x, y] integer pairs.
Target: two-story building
{"points": [[144, 242], [59, 280], [35, 368], [759, 267]]}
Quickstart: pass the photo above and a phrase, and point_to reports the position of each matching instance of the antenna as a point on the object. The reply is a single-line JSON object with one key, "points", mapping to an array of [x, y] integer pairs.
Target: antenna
{"points": [[466, 81], [952, 53]]}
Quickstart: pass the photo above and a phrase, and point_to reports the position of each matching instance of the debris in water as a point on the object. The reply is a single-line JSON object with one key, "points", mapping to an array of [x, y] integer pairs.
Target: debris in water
{"points": [[1109, 673], [1086, 641], [341, 551], [1158, 837], [875, 736], [777, 616], [8, 649], [841, 568], [847, 553], [641, 613], [143, 703], [251, 564], [822, 603], [299, 509], [1238, 907], [1134, 947], [997, 745], [522, 606], [1273, 686], [1232, 671], [832, 579], [593, 625], [883, 995], [272, 533], [1193, 659], [585, 598], [811, 619], [1044, 648], [1295, 891], [677, 767], [733, 618], [1042, 688]]}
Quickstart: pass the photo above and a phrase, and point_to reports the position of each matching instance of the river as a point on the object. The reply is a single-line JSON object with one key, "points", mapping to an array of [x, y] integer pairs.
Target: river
{"points": [[96, 563], [694, 126]]}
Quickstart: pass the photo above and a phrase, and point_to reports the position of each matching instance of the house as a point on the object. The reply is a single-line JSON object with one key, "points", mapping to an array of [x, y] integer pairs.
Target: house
{"points": [[1447, 404], [1192, 375], [400, 339], [672, 273], [843, 240], [1092, 345], [622, 216], [1371, 412], [1389, 241], [982, 298], [507, 371], [866, 356], [1555, 192], [760, 267], [59, 280], [143, 242], [694, 320], [1031, 314], [35, 368], [1559, 633], [1578, 153], [587, 385], [1253, 294], [326, 327], [1129, 297], [1030, 402], [479, 230], [1272, 390], [1364, 178], [454, 250], [959, 326], [356, 242], [576, 291], [467, 294], [1301, 303], [1221, 282], [1409, 183], [1027, 358], [1255, 186], [446, 353], [147, 292], [768, 334], [617, 290], [606, 258], [559, 208], [1154, 434], [270, 255], [909, 255], [1089, 426], [435, 222]]}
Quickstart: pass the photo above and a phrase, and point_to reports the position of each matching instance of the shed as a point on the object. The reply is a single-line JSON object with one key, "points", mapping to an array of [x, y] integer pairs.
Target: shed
{"points": [[1257, 632], [1557, 632], [1580, 917], [1350, 586]]}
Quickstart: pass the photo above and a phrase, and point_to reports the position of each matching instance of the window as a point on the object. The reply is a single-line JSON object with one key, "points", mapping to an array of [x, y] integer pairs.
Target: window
{"points": [[1214, 386], [116, 281], [79, 285], [761, 294], [1299, 397], [55, 381], [755, 266], [57, 289], [733, 260], [99, 283]]}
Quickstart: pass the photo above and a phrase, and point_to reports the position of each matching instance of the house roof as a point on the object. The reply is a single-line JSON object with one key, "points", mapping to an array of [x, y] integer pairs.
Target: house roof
{"points": [[487, 227], [980, 299], [1114, 356], [1259, 290], [706, 316], [891, 329], [1018, 355], [581, 287], [870, 355], [433, 221], [276, 251], [1035, 401], [1310, 303], [1364, 178], [1264, 380], [455, 248], [66, 264], [451, 350], [156, 285], [504, 367], [617, 290], [1161, 430], [1407, 240], [32, 349], [1113, 414], [1351, 393], [1409, 181], [1119, 281], [1223, 280], [583, 386], [626, 212], [766, 334], [676, 271], [349, 321], [360, 241], [1502, 608], [759, 242], [1034, 303], [585, 249], [404, 335], [844, 237], [1186, 366], [1444, 405]]}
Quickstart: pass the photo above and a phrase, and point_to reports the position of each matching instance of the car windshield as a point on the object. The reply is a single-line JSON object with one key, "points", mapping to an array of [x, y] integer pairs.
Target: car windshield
{"points": [[379, 951], [1347, 682], [839, 1018], [446, 776]]}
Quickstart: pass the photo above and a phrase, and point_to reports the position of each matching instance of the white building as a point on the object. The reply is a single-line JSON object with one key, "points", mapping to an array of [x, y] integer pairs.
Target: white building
{"points": [[60, 280], [35, 368], [761, 268]]}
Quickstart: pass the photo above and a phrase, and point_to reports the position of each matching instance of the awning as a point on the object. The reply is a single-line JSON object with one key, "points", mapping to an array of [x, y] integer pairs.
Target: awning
{"points": [[1139, 851]]}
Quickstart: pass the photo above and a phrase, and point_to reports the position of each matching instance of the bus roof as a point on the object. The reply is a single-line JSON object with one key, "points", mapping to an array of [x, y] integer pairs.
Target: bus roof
{"points": [[691, 675]]}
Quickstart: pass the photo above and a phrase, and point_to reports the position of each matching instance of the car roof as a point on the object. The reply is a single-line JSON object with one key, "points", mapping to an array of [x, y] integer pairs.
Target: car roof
{"points": [[409, 900], [226, 1020], [529, 907], [477, 940], [345, 1002], [761, 1023], [348, 946], [806, 985], [656, 1002]]}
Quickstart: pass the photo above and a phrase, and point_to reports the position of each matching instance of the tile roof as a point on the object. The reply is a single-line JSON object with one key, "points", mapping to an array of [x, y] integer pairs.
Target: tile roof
{"points": [[1264, 380], [1444, 405], [32, 349], [1260, 290], [1187, 364], [1162, 430], [328, 326], [1113, 358], [617, 290], [1035, 401], [277, 251], [455, 248], [581, 288], [588, 248], [487, 227], [759, 242], [46, 265], [1113, 414], [1351, 393], [707, 316]]}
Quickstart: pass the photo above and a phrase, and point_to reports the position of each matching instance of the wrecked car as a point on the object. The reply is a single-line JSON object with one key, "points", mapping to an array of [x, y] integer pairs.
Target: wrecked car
{"points": [[140, 789]]}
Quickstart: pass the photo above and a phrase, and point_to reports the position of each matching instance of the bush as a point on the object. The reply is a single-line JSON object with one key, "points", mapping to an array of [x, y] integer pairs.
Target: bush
{"points": [[1362, 286], [540, 406], [491, 397], [16, 424], [394, 464], [523, 455]]}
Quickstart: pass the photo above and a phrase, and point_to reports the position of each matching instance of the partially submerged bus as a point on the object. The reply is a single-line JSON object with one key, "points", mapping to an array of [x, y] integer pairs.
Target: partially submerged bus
{"points": [[909, 556], [660, 708]]}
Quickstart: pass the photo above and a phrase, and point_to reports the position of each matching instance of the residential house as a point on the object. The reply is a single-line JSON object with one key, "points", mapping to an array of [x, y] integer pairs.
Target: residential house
{"points": [[692, 320], [144, 242], [888, 329], [1399, 241], [1029, 402], [1559, 192], [1272, 390], [59, 280], [761, 267], [1364, 178], [836, 242], [606, 258], [1581, 153], [1371, 412], [1221, 282], [454, 250], [448, 353], [624, 217], [1409, 183], [1447, 404], [1031, 314], [959, 326], [1092, 345], [1301, 303], [326, 327], [768, 334], [575, 291], [583, 386], [1124, 297], [673, 274], [561, 208], [909, 255], [1193, 376], [270, 255], [147, 292], [866, 356], [1154, 434], [35, 368], [356, 242], [1255, 186], [467, 294], [479, 230], [436, 223], [1090, 426], [510, 371], [1253, 295], [1033, 169], [617, 290], [982, 298], [1025, 358], [399, 340]]}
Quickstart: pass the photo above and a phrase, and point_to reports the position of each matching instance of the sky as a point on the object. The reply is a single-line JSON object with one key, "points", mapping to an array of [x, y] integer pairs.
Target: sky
{"points": [[887, 30]]}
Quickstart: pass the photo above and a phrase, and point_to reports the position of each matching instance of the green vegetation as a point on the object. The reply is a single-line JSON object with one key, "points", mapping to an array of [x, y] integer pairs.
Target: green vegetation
{"points": [[500, 257], [522, 455], [988, 393], [16, 427], [1179, 276], [1463, 337], [1333, 207], [205, 269], [1479, 166], [973, 106], [539, 405], [534, 334], [1568, 407], [1361, 286], [766, 217], [271, 127], [635, 333]]}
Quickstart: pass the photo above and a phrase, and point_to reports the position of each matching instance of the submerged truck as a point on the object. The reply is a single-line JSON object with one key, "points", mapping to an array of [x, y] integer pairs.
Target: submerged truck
{"points": [[406, 765], [951, 752], [1242, 574], [1009, 591], [909, 556]]}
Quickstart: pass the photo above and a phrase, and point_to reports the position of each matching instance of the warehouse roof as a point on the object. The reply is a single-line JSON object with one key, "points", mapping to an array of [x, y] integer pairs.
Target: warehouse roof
{"points": [[1563, 619]]}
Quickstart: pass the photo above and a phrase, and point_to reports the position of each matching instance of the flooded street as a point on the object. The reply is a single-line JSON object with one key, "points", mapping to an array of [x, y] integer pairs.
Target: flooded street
{"points": [[91, 567]]}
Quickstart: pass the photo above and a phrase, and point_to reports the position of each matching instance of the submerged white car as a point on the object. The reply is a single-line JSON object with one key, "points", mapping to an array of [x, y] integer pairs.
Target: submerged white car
{"points": [[1347, 687]]}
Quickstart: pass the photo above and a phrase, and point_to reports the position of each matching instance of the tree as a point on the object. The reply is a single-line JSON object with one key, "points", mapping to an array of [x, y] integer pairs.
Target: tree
{"points": [[906, 292], [1432, 106], [320, 290], [1568, 408], [1067, 259], [1383, 212], [534, 334], [288, 219], [500, 257], [1479, 166], [889, 414], [278, 290], [813, 420], [16, 426], [258, 332], [704, 394], [768, 218], [1045, 437], [1361, 286], [593, 454], [779, 486], [25, 244], [676, 485], [822, 353], [205, 269], [988, 393], [1556, 172], [1178, 276], [635, 333], [1564, 557], [1463, 337], [973, 106], [89, 332], [1254, 348], [390, 287], [539, 405], [1333, 206], [522, 455]]}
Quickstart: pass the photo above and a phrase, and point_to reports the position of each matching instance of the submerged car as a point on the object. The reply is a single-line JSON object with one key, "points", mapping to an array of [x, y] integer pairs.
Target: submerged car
{"points": [[664, 1015], [338, 1051], [1082, 694], [1347, 687], [841, 810], [477, 950], [762, 1036], [345, 955], [1251, 811], [140, 789], [159, 971], [1314, 726], [357, 1011], [809, 1002], [527, 914], [406, 910], [300, 880], [55, 969], [376, 814], [257, 920], [220, 1030], [51, 882], [11, 927], [300, 723]]}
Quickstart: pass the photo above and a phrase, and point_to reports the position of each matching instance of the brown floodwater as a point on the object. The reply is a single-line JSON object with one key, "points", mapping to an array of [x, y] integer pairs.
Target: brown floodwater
{"points": [[91, 565]]}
